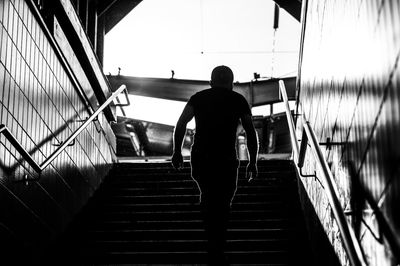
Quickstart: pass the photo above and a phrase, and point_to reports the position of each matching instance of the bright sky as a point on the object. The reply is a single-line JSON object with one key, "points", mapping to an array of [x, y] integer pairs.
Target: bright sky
{"points": [[191, 37]]}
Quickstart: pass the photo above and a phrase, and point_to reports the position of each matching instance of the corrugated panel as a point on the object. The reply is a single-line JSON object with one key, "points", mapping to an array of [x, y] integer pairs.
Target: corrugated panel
{"points": [[41, 106], [355, 47]]}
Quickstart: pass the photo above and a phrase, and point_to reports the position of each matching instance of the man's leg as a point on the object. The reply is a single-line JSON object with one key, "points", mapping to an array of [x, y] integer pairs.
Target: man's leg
{"points": [[216, 218], [218, 186]]}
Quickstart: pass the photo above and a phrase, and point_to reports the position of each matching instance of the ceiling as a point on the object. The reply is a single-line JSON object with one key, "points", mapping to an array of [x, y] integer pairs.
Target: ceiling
{"points": [[115, 10]]}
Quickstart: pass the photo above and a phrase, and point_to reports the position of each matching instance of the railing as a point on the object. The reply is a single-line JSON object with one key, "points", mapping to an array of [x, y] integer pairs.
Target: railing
{"points": [[40, 167], [349, 238]]}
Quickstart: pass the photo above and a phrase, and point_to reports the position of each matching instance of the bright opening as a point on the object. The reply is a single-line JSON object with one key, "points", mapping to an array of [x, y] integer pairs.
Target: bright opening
{"points": [[191, 38]]}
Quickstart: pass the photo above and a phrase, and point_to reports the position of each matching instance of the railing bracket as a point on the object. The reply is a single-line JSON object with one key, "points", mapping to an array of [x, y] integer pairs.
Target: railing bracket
{"points": [[84, 120], [305, 175], [61, 143], [330, 143], [127, 103]]}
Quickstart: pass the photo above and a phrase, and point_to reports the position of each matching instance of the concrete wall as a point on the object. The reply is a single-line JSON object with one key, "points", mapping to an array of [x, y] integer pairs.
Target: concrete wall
{"points": [[349, 91], [42, 106]]}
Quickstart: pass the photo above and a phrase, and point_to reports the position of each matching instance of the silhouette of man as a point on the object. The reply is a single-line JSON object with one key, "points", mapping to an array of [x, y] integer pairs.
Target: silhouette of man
{"points": [[217, 112]]}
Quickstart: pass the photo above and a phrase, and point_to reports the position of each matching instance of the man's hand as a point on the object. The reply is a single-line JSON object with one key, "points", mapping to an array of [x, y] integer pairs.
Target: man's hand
{"points": [[179, 134], [252, 146], [177, 161], [251, 171]]}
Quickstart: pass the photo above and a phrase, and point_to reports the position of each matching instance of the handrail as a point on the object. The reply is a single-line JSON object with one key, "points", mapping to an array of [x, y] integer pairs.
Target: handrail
{"points": [[350, 242], [290, 121], [40, 167]]}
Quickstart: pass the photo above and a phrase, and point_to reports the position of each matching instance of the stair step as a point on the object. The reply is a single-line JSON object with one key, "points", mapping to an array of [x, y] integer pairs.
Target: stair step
{"points": [[193, 189], [164, 166], [172, 245], [186, 224], [264, 205], [190, 215], [193, 198], [247, 257], [177, 175], [186, 184], [188, 234]]}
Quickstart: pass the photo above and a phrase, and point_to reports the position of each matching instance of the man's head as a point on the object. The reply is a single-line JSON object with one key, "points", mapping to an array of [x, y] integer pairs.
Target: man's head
{"points": [[222, 77]]}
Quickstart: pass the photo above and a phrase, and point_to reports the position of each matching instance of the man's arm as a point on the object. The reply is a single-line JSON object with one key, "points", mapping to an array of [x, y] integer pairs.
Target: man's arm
{"points": [[179, 134], [252, 145]]}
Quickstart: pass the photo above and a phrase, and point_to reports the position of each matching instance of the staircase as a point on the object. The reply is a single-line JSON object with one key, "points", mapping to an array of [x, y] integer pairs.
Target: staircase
{"points": [[148, 213]]}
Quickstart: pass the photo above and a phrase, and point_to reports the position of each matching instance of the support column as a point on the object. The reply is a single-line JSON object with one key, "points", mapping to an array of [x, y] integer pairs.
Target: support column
{"points": [[83, 8], [92, 23], [101, 31]]}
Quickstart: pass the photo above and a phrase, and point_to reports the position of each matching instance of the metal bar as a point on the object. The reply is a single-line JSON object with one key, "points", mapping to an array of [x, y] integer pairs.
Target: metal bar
{"points": [[292, 129], [7, 133], [350, 241], [303, 149], [82, 127], [332, 143], [39, 168]]}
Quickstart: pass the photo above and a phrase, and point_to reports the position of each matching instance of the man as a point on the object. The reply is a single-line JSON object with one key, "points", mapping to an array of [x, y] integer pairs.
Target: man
{"points": [[217, 112]]}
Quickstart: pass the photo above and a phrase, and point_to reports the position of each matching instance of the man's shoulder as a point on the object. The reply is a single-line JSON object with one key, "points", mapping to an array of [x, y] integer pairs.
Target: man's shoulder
{"points": [[238, 96], [197, 96], [228, 95], [202, 92]]}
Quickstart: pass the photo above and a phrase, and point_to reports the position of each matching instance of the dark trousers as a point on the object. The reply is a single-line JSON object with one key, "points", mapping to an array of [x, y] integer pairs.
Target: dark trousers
{"points": [[217, 181]]}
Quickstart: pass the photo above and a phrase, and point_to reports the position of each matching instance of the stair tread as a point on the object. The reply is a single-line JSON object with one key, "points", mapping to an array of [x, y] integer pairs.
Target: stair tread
{"points": [[181, 257], [190, 240], [200, 252], [192, 230], [188, 204], [192, 211]]}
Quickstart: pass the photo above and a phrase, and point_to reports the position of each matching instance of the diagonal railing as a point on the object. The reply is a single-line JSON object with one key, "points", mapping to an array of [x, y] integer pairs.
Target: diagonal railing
{"points": [[350, 241], [40, 167]]}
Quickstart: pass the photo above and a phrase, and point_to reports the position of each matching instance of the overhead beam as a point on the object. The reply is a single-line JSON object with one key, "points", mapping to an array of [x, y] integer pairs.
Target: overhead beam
{"points": [[293, 7], [170, 89], [256, 93], [104, 6], [114, 11]]}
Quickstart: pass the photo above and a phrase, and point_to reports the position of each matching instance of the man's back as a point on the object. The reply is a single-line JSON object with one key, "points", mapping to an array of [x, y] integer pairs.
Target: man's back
{"points": [[217, 112]]}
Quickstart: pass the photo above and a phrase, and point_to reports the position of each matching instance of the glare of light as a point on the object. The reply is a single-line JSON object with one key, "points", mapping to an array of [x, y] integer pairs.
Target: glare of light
{"points": [[155, 110], [265, 110], [195, 36], [192, 38]]}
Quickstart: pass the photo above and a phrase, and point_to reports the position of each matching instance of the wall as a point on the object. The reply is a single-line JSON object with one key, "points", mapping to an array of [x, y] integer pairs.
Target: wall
{"points": [[42, 107], [349, 91]]}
